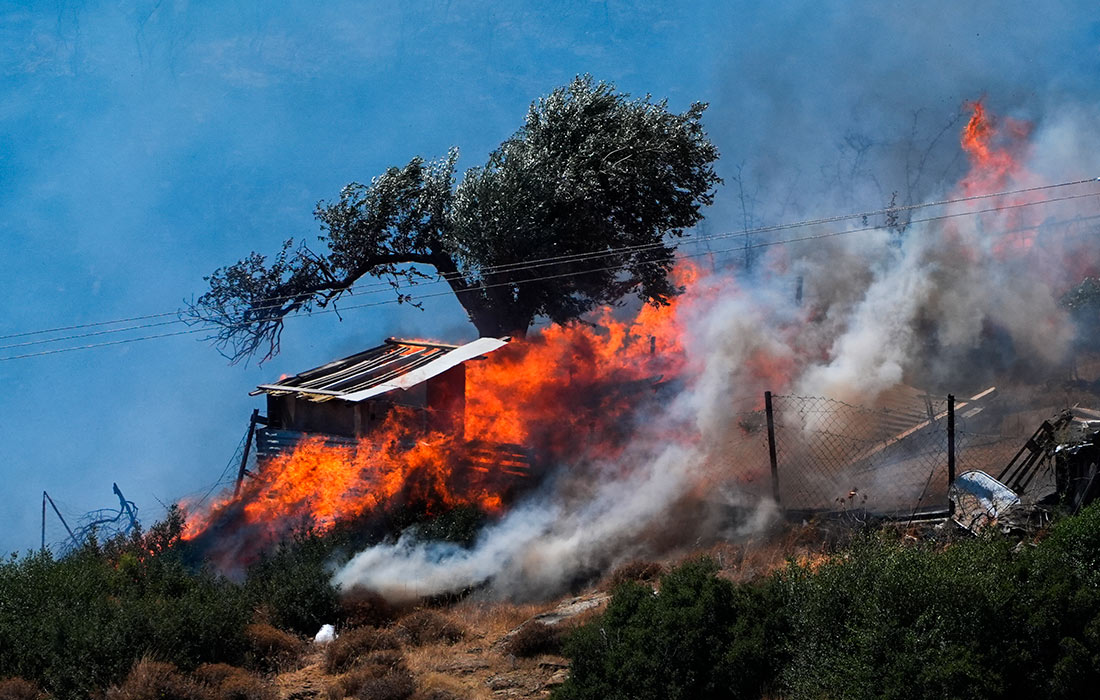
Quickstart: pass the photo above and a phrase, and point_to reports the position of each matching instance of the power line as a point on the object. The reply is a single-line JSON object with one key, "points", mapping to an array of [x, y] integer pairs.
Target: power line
{"points": [[764, 244], [376, 287]]}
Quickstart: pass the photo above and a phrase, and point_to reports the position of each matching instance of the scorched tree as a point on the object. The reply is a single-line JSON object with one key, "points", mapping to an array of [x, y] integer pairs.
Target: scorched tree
{"points": [[578, 209]]}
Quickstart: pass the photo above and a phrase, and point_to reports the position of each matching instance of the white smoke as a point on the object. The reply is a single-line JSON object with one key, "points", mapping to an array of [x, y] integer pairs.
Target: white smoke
{"points": [[879, 309], [590, 517]]}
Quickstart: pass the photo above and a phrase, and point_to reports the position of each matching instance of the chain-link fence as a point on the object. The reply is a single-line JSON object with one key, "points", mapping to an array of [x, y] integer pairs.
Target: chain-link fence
{"points": [[833, 456], [895, 461]]}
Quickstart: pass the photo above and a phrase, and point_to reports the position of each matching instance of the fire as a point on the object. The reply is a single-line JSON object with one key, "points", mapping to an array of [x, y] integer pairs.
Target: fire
{"points": [[994, 148], [560, 393]]}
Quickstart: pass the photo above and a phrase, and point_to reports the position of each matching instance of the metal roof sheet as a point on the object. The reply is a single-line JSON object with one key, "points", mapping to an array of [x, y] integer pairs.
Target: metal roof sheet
{"points": [[397, 364]]}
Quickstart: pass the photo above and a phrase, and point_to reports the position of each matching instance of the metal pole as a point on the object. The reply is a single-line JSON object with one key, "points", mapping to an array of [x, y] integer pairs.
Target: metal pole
{"points": [[43, 521], [771, 444], [62, 519], [247, 447], [950, 448]]}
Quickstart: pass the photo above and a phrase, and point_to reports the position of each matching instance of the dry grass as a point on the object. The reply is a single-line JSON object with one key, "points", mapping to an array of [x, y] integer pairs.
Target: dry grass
{"points": [[227, 682], [437, 686], [536, 638], [376, 665], [636, 570], [19, 689], [155, 680], [429, 627], [355, 645], [272, 649], [360, 607], [491, 621], [395, 684]]}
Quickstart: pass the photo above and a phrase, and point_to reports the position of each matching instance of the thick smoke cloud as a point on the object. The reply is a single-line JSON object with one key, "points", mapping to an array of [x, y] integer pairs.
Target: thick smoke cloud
{"points": [[593, 515], [826, 109]]}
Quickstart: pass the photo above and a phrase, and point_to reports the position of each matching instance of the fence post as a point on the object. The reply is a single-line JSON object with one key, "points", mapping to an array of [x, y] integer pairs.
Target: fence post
{"points": [[247, 447], [770, 415], [950, 450]]}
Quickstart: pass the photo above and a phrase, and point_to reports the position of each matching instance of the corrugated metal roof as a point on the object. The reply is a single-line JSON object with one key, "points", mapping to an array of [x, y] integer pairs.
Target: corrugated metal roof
{"points": [[397, 364]]}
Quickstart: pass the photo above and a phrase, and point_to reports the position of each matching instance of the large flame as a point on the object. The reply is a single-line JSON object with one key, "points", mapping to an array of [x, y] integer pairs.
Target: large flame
{"points": [[562, 389], [571, 395]]}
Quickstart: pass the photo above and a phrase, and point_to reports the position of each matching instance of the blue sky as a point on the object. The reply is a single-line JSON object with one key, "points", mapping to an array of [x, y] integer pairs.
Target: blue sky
{"points": [[145, 143]]}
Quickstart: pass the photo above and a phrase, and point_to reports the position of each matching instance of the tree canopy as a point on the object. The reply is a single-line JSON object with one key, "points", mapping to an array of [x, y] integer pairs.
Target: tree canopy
{"points": [[578, 209]]}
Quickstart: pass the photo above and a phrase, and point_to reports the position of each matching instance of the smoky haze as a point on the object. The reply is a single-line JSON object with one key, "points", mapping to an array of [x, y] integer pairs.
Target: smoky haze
{"points": [[826, 110]]}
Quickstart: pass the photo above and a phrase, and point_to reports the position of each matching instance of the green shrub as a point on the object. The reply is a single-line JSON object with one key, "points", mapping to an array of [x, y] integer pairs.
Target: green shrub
{"points": [[675, 644], [78, 624], [983, 618], [293, 584]]}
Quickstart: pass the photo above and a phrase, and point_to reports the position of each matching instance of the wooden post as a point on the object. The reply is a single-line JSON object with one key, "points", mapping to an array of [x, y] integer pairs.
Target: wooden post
{"points": [[247, 448], [950, 449], [770, 415]]}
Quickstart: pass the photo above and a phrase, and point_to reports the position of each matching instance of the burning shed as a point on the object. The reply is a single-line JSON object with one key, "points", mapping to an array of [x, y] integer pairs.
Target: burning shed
{"points": [[347, 399]]}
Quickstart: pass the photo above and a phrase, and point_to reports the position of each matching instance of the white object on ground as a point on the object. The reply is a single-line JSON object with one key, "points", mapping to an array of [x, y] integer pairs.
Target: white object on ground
{"points": [[326, 635]]}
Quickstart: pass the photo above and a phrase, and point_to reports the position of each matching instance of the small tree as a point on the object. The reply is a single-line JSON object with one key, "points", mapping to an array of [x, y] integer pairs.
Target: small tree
{"points": [[577, 209]]}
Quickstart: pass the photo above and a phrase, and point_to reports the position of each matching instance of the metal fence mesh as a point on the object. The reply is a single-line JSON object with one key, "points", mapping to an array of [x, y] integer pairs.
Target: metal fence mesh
{"points": [[833, 456]]}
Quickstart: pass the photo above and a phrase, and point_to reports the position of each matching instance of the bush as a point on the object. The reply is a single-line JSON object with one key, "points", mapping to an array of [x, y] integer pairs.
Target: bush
{"points": [[77, 625], [396, 684], [155, 680], [429, 627], [19, 689], [272, 649], [225, 682], [636, 570], [354, 645], [293, 584], [460, 525], [359, 607], [700, 637], [535, 638], [373, 666], [982, 618]]}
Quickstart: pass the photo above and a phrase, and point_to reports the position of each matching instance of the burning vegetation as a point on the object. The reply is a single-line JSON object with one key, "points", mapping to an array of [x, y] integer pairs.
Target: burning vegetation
{"points": [[578, 443]]}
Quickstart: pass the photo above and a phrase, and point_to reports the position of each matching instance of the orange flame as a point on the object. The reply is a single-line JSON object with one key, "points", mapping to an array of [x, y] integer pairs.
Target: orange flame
{"points": [[994, 148], [561, 391]]}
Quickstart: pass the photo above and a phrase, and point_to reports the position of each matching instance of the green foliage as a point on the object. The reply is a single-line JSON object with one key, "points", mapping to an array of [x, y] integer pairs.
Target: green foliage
{"points": [[79, 623], [891, 621], [597, 181], [293, 584], [980, 619], [675, 643]]}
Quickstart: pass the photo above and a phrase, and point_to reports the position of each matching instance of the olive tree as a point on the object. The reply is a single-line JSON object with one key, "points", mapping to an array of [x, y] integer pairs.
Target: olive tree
{"points": [[581, 207]]}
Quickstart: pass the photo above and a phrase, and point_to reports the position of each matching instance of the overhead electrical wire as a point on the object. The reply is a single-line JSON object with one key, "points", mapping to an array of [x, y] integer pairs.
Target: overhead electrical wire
{"points": [[541, 262], [544, 262]]}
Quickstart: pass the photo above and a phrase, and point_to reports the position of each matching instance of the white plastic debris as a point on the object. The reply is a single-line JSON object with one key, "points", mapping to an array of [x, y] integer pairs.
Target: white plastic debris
{"points": [[326, 635]]}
